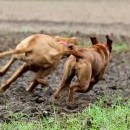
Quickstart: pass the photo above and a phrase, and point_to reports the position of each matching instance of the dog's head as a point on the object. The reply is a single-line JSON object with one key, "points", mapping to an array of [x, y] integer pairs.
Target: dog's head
{"points": [[107, 45], [66, 41]]}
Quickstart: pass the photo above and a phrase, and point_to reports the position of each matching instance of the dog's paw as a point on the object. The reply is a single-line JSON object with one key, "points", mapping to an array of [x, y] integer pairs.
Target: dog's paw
{"points": [[52, 99], [72, 106], [29, 90], [1, 74], [56, 95]]}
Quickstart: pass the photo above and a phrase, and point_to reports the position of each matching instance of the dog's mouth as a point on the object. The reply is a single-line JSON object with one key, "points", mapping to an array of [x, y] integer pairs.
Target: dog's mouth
{"points": [[64, 43]]}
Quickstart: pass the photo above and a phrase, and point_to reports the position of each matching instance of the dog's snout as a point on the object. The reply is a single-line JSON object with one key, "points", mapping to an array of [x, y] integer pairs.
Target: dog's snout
{"points": [[71, 46]]}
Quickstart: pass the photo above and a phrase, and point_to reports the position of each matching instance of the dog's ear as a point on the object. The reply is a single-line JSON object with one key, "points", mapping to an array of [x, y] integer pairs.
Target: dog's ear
{"points": [[58, 38], [73, 40], [94, 40], [109, 43]]}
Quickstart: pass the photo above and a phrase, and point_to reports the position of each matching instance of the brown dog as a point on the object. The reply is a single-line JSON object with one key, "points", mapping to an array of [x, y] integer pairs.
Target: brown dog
{"points": [[40, 53], [88, 64]]}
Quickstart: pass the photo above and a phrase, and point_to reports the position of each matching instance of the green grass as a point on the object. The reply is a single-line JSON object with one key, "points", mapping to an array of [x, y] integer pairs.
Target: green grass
{"points": [[116, 47], [121, 47], [95, 117]]}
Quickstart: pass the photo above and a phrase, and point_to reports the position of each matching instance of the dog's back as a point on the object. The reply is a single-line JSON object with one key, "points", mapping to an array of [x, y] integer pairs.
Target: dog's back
{"points": [[98, 54], [94, 57]]}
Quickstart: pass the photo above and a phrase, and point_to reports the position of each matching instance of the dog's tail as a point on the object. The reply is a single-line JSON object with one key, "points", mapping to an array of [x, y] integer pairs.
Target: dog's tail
{"points": [[11, 52]]}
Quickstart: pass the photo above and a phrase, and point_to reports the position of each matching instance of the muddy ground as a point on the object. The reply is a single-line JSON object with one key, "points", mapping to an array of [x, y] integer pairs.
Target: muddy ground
{"points": [[116, 82], [81, 20]]}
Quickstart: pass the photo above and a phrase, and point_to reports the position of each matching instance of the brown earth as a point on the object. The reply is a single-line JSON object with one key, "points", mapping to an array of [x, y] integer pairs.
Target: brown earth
{"points": [[116, 83], [78, 18]]}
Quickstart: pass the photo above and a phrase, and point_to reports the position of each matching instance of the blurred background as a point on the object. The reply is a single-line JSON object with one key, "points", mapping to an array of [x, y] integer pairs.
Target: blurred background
{"points": [[84, 17]]}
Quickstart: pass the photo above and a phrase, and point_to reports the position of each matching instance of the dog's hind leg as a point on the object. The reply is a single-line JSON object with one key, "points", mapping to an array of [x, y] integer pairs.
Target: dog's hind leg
{"points": [[4, 69], [64, 83], [66, 79], [23, 68], [83, 74]]}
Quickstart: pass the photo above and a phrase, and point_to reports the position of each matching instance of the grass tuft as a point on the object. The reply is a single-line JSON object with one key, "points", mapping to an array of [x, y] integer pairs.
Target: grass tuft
{"points": [[121, 47]]}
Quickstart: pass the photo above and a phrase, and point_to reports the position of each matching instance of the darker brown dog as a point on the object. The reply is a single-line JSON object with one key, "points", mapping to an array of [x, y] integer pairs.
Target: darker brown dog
{"points": [[40, 53], [88, 64]]}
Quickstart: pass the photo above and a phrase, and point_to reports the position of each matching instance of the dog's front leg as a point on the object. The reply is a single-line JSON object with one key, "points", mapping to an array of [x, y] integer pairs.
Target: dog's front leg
{"points": [[39, 79], [35, 83], [100, 76], [42, 82], [97, 78], [72, 90], [32, 86], [23, 68]]}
